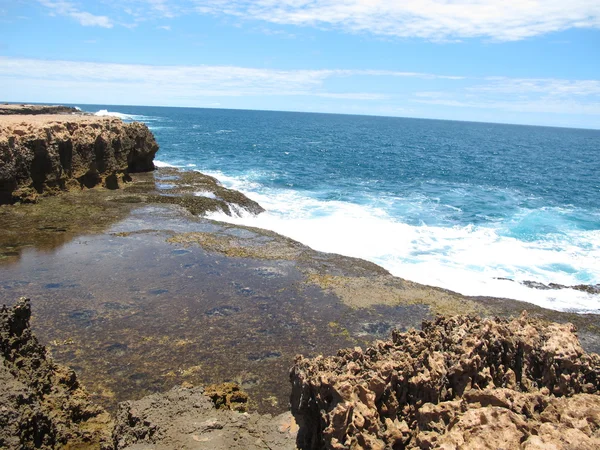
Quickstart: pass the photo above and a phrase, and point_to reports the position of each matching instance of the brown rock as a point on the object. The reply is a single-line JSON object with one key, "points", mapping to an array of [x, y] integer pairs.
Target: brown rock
{"points": [[187, 419], [227, 396], [41, 155], [42, 405], [462, 382]]}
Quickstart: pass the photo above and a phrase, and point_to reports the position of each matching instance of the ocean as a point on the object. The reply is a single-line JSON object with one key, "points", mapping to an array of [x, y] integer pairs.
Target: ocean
{"points": [[476, 208]]}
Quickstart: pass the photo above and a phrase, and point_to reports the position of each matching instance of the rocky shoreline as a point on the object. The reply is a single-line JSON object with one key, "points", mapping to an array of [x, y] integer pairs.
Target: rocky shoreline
{"points": [[22, 109], [139, 294]]}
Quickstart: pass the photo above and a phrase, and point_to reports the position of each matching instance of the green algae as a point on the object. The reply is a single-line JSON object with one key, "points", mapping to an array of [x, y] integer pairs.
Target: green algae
{"points": [[237, 248]]}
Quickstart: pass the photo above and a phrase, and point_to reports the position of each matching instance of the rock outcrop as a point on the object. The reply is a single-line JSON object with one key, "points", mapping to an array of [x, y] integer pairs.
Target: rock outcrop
{"points": [[461, 382], [186, 418], [9, 109], [41, 155], [42, 405]]}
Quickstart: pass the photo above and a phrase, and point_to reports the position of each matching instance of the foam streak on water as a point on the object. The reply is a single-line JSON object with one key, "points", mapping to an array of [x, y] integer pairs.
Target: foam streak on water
{"points": [[449, 204]]}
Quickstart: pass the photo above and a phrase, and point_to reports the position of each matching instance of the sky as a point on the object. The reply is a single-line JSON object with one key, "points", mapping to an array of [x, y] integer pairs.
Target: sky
{"points": [[511, 61]]}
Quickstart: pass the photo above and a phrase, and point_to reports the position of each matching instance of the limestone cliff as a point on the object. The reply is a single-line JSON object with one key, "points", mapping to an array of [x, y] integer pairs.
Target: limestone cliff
{"points": [[46, 154]]}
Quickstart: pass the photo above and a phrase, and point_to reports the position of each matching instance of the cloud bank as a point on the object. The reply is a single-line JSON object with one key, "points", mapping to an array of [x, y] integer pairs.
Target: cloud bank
{"points": [[198, 85], [434, 20]]}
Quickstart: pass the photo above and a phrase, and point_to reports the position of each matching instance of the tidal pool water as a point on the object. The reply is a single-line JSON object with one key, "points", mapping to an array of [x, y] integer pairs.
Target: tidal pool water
{"points": [[133, 313]]}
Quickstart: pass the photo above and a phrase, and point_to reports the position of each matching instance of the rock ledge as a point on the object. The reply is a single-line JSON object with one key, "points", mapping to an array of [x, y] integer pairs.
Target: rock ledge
{"points": [[47, 154]]}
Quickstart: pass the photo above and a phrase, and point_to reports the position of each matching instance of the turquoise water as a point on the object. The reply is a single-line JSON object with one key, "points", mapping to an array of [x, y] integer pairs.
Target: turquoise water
{"points": [[451, 204]]}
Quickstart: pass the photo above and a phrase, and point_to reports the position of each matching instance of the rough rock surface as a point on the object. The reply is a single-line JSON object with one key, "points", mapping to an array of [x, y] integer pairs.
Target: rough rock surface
{"points": [[461, 382], [47, 154], [42, 405], [185, 418]]}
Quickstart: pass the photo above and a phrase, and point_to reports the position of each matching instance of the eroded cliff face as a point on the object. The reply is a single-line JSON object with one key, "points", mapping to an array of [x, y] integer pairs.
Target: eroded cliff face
{"points": [[460, 383], [44, 155]]}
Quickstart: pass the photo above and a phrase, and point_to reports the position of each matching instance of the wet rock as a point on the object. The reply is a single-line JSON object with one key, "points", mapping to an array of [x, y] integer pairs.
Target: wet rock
{"points": [[42, 404], [42, 155], [461, 382], [222, 311], [589, 288], [264, 356]]}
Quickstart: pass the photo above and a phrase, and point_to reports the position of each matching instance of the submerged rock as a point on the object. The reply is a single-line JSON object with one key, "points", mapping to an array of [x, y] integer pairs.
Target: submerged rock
{"points": [[461, 382], [589, 288], [41, 155], [42, 404]]}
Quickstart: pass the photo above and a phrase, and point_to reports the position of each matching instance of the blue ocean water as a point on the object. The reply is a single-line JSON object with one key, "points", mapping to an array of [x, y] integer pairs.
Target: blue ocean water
{"points": [[451, 204]]}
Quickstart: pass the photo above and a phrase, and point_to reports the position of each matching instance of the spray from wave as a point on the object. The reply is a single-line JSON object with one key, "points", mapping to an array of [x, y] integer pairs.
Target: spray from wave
{"points": [[125, 117]]}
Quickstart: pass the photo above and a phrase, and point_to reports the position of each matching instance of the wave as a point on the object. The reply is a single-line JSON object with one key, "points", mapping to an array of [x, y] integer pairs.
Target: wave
{"points": [[123, 116], [467, 259], [158, 163]]}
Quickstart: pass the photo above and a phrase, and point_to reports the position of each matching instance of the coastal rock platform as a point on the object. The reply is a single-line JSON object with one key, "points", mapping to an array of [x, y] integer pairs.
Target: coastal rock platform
{"points": [[142, 296]]}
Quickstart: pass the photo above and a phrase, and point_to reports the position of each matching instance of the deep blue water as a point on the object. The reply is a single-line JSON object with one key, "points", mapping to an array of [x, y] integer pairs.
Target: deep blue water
{"points": [[453, 204]]}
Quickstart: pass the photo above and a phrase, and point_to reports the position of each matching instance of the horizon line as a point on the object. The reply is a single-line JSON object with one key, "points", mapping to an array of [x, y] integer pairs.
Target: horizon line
{"points": [[304, 112]]}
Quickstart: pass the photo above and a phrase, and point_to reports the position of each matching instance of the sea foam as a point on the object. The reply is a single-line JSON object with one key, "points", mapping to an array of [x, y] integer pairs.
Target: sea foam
{"points": [[471, 260]]}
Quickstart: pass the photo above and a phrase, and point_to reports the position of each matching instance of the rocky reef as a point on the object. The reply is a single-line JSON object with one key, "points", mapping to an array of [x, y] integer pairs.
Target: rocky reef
{"points": [[47, 154], [461, 382], [42, 403]]}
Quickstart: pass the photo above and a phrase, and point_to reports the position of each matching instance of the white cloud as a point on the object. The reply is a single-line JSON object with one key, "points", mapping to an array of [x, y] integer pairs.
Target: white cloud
{"points": [[207, 80], [66, 8], [164, 27], [549, 86], [534, 95], [503, 20], [435, 20], [254, 87]]}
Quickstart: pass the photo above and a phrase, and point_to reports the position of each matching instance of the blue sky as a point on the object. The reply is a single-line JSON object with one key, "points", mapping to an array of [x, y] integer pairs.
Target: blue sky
{"points": [[514, 61]]}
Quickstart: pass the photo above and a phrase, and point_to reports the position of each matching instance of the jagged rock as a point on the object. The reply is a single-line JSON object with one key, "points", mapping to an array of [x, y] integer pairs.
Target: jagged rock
{"points": [[227, 396], [186, 418], [41, 155], [42, 405], [461, 382]]}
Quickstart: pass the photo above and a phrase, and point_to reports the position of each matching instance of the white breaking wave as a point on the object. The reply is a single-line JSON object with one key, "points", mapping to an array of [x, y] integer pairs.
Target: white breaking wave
{"points": [[465, 259], [158, 163], [206, 194], [123, 116]]}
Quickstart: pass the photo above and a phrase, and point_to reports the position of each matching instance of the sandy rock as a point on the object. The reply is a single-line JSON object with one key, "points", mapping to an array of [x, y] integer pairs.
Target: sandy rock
{"points": [[461, 382], [186, 418], [42, 405], [47, 154]]}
